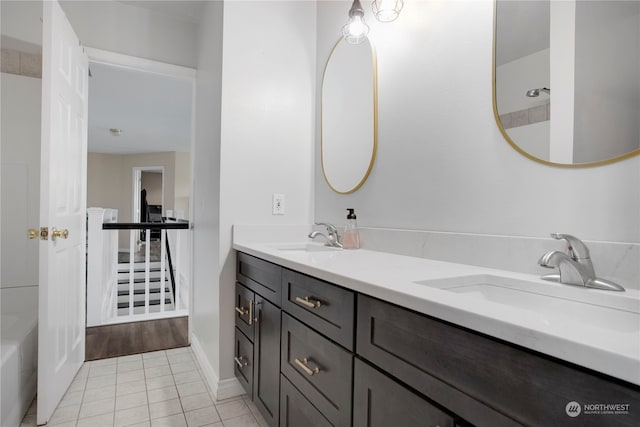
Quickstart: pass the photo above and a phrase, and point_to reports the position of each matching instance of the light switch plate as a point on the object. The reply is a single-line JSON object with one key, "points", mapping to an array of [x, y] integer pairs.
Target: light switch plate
{"points": [[278, 204]]}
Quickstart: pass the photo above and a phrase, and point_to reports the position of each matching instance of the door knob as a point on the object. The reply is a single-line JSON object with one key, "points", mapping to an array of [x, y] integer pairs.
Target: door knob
{"points": [[59, 233], [32, 233]]}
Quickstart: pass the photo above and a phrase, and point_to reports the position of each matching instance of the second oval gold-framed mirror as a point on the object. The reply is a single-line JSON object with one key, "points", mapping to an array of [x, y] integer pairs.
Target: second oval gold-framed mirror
{"points": [[565, 79], [349, 116]]}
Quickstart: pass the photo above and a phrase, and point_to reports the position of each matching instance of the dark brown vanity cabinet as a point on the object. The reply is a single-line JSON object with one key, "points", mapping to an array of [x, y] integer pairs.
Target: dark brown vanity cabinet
{"points": [[258, 322], [333, 357], [379, 401]]}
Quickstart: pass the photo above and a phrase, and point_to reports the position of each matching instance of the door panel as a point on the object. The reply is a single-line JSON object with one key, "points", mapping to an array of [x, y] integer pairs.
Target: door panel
{"points": [[62, 207]]}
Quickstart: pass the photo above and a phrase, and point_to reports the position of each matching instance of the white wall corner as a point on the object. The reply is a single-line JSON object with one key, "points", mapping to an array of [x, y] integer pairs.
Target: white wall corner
{"points": [[220, 389]]}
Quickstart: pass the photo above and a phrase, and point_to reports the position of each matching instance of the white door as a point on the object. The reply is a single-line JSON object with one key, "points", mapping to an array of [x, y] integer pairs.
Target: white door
{"points": [[61, 329]]}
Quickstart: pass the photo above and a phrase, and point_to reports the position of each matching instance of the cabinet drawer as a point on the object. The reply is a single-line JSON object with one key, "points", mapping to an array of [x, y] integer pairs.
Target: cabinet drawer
{"points": [[295, 410], [485, 381], [260, 276], [319, 368], [243, 308], [379, 401], [327, 308], [243, 357]]}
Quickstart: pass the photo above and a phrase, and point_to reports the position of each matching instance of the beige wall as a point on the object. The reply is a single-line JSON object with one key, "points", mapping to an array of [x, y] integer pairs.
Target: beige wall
{"points": [[110, 182], [182, 184], [152, 182]]}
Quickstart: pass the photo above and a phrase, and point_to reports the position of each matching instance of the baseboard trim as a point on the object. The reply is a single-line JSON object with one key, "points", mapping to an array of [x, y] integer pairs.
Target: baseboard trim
{"points": [[220, 389]]}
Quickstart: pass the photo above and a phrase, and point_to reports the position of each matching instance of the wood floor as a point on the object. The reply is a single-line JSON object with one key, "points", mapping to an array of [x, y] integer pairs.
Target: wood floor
{"points": [[103, 342]]}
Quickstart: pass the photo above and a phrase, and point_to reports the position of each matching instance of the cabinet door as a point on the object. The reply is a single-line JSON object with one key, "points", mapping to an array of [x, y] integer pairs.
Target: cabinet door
{"points": [[266, 361], [296, 411], [243, 357], [243, 309], [379, 401]]}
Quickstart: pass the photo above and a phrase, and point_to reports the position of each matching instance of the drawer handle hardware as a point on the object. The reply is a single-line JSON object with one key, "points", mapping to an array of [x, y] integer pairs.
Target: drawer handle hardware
{"points": [[242, 310], [308, 302], [303, 365], [240, 362], [253, 315]]}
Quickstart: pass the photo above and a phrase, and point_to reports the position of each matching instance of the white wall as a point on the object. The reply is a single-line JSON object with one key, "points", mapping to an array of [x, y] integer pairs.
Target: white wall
{"points": [[20, 194], [205, 313], [20, 20], [132, 30], [268, 96], [442, 164]]}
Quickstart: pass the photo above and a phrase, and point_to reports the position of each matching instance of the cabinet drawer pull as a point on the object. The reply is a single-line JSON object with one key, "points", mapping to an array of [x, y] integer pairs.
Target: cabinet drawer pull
{"points": [[308, 302], [240, 362], [253, 315], [242, 310], [303, 365]]}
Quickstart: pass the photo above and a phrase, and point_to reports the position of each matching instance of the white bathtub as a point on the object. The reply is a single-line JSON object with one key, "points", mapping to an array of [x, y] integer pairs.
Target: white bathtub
{"points": [[19, 348]]}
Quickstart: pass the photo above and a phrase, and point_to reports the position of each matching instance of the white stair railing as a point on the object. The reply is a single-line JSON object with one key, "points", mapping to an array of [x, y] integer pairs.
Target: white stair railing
{"points": [[102, 264], [150, 285]]}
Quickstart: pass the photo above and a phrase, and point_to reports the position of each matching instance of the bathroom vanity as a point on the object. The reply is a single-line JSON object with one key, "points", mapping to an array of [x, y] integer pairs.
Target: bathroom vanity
{"points": [[339, 338]]}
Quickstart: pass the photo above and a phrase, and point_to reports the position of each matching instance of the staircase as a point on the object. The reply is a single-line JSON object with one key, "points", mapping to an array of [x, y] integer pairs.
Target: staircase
{"points": [[139, 288]]}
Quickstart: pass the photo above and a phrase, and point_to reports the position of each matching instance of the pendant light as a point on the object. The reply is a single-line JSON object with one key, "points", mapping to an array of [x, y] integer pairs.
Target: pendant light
{"points": [[387, 10], [355, 31]]}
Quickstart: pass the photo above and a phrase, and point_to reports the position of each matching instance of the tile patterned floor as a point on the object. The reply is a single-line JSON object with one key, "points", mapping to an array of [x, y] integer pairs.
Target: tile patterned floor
{"points": [[162, 388]]}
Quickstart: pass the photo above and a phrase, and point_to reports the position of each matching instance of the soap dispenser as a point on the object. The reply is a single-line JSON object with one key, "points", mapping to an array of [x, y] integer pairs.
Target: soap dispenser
{"points": [[351, 237]]}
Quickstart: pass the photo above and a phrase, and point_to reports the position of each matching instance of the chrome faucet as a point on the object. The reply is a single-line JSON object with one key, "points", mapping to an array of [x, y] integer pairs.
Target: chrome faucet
{"points": [[332, 237], [575, 267]]}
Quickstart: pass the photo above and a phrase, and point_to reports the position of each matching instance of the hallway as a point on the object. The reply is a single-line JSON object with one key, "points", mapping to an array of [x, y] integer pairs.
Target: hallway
{"points": [[162, 388]]}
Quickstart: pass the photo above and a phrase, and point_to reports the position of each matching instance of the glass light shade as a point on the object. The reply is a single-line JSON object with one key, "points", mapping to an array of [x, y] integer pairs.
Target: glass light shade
{"points": [[356, 30], [387, 10]]}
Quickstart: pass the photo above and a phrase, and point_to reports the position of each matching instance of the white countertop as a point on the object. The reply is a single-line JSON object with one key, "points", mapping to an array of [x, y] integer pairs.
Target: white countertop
{"points": [[392, 278]]}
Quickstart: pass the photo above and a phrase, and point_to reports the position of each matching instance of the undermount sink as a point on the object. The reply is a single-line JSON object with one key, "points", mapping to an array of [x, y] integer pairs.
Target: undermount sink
{"points": [[305, 247], [551, 303]]}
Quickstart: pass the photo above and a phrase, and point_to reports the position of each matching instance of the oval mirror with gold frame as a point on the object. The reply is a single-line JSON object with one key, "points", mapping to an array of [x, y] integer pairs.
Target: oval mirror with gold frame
{"points": [[565, 80], [349, 116]]}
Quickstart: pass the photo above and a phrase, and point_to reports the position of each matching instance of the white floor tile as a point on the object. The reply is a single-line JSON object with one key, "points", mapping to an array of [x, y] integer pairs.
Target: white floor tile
{"points": [[94, 394], [165, 408], [202, 417], [130, 376], [180, 358], [243, 421], [159, 382], [61, 415], [172, 421], [131, 387], [196, 401], [131, 358], [135, 365], [186, 377], [233, 409], [98, 407], [96, 371], [131, 400], [157, 371], [101, 381], [104, 420], [187, 389], [161, 394], [155, 362], [154, 355], [176, 368], [131, 416], [141, 391]]}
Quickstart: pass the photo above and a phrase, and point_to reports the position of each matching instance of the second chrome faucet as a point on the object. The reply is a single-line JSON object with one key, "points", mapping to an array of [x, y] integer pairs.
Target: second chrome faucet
{"points": [[574, 266]]}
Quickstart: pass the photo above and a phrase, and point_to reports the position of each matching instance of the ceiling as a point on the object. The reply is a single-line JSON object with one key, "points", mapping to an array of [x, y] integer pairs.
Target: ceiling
{"points": [[153, 111]]}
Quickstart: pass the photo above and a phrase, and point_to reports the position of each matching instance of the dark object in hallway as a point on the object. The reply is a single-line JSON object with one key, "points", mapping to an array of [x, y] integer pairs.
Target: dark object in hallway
{"points": [[137, 337]]}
